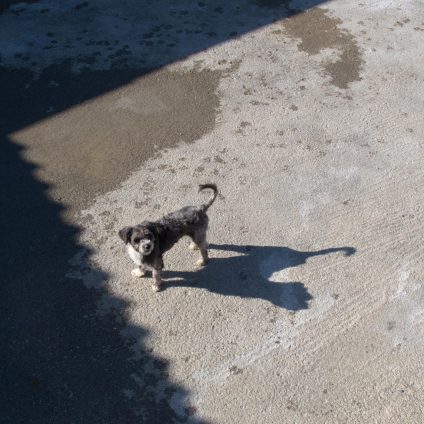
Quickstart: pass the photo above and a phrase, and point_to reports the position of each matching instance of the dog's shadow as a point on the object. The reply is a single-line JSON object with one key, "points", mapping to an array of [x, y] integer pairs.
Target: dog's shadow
{"points": [[256, 273]]}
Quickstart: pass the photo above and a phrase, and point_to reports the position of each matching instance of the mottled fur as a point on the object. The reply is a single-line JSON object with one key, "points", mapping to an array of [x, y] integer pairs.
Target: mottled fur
{"points": [[148, 241]]}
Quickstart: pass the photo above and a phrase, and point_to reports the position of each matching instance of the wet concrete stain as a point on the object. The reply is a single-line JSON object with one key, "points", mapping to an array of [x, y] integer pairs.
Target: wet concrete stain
{"points": [[88, 150], [317, 31]]}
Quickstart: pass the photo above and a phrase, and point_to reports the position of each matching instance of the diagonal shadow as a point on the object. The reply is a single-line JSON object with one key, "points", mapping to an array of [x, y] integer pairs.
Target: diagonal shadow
{"points": [[88, 63], [62, 362], [142, 34], [254, 274], [75, 52]]}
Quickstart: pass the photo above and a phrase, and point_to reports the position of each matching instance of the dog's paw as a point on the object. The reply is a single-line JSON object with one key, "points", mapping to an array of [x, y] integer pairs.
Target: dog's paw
{"points": [[137, 272], [157, 287], [201, 262], [193, 246]]}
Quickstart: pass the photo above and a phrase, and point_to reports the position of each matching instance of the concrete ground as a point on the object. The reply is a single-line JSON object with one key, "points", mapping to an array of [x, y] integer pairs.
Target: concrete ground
{"points": [[308, 117]]}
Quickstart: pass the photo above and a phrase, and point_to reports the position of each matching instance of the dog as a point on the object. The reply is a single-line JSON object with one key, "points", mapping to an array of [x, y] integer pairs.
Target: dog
{"points": [[147, 242]]}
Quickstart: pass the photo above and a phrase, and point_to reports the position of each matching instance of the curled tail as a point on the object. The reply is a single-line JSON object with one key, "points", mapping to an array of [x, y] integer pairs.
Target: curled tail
{"points": [[213, 187]]}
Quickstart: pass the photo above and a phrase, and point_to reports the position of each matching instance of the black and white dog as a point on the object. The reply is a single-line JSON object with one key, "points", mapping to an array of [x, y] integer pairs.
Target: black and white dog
{"points": [[147, 242]]}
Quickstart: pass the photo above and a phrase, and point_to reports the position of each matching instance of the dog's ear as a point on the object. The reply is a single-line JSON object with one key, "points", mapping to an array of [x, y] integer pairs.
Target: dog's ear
{"points": [[125, 234]]}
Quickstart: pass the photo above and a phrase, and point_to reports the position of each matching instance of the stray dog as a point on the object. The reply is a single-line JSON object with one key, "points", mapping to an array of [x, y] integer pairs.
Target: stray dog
{"points": [[147, 242]]}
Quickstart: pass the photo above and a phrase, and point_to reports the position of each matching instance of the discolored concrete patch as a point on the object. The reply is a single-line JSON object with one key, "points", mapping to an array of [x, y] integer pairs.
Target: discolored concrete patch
{"points": [[317, 31], [90, 149]]}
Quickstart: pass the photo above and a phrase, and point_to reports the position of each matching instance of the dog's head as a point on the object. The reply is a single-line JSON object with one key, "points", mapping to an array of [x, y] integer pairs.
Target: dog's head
{"points": [[141, 237]]}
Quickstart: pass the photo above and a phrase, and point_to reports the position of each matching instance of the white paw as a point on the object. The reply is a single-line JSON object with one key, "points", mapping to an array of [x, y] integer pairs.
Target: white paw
{"points": [[156, 287], [201, 262], [193, 246], [137, 272]]}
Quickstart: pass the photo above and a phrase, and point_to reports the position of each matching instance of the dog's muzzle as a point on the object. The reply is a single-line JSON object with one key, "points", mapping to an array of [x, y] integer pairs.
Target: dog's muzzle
{"points": [[146, 247]]}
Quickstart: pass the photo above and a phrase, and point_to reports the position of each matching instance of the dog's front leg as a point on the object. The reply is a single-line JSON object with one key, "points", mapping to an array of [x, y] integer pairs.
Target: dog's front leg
{"points": [[157, 279], [139, 272]]}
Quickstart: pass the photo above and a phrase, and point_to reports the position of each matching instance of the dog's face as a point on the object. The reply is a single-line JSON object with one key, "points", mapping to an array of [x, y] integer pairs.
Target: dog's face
{"points": [[141, 238]]}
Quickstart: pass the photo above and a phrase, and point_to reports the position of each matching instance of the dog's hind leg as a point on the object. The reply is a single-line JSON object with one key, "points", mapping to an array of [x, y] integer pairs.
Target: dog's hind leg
{"points": [[199, 239], [193, 246]]}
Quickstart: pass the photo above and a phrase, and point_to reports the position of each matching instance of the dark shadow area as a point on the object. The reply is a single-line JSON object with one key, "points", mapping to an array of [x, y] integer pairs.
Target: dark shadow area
{"points": [[161, 32], [4, 4], [248, 275], [61, 362]]}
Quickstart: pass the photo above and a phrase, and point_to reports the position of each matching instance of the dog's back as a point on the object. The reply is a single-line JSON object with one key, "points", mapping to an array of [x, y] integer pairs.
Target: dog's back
{"points": [[187, 221], [184, 222]]}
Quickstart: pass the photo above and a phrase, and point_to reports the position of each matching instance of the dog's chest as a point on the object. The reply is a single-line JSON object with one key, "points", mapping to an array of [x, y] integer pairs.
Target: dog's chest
{"points": [[133, 254]]}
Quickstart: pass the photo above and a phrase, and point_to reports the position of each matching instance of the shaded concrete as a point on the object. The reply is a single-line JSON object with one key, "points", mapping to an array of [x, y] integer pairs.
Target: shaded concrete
{"points": [[88, 150]]}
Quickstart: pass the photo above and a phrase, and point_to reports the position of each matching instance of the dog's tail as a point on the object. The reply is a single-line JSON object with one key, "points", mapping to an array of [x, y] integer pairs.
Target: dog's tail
{"points": [[213, 187]]}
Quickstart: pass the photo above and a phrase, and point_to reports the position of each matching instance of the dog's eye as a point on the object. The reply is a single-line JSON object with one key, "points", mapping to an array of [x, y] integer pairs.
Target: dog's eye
{"points": [[136, 240]]}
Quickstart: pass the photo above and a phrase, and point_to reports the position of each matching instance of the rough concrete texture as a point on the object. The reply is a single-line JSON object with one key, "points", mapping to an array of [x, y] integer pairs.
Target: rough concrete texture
{"points": [[311, 309]]}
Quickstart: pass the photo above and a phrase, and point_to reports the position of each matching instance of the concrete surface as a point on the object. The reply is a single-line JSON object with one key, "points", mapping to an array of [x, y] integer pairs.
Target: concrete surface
{"points": [[308, 117]]}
